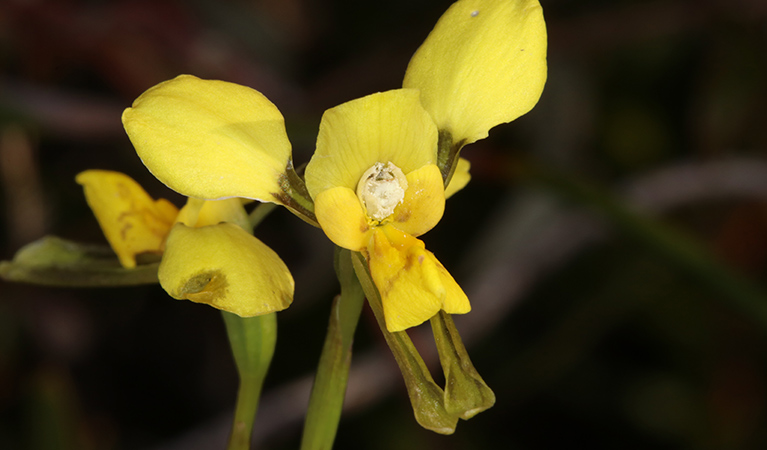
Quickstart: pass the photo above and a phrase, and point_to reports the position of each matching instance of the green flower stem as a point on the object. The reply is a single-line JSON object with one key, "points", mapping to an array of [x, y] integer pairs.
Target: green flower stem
{"points": [[259, 213], [426, 397], [252, 340], [677, 248], [327, 398], [466, 393]]}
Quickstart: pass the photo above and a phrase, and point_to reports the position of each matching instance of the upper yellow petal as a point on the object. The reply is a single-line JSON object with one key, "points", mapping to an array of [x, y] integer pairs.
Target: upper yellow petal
{"points": [[385, 127], [227, 268], [342, 218], [413, 284], [424, 201], [210, 139], [131, 220], [483, 64]]}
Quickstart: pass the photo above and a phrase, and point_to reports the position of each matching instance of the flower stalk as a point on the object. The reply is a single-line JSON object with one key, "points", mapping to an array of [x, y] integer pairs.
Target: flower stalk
{"points": [[327, 397], [252, 340]]}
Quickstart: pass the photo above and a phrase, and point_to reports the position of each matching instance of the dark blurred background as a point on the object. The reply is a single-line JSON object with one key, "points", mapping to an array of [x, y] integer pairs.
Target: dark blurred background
{"points": [[613, 241]]}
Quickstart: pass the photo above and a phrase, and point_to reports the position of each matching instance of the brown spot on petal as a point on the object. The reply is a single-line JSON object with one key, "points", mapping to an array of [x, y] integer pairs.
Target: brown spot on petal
{"points": [[205, 287], [402, 215]]}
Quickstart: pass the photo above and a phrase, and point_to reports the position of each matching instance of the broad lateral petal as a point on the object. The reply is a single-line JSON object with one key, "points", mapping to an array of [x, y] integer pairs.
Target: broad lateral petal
{"points": [[483, 64], [342, 218], [227, 268], [210, 139], [424, 201]]}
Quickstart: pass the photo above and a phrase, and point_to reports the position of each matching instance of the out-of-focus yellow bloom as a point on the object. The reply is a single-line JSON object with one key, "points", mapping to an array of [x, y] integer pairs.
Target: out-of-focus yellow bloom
{"points": [[207, 256], [131, 220]]}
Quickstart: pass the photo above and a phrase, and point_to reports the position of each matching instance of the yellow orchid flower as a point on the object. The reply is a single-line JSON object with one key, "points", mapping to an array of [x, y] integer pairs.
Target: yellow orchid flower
{"points": [[384, 163], [207, 256], [375, 186]]}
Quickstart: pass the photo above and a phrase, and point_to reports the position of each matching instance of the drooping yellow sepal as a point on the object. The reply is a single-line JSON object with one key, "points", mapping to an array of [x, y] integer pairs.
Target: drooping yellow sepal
{"points": [[210, 139], [227, 268], [413, 284], [483, 64], [131, 220]]}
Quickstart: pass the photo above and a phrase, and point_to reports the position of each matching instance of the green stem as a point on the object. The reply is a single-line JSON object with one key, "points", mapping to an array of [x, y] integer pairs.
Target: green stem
{"points": [[426, 397], [259, 213], [329, 389], [252, 340]]}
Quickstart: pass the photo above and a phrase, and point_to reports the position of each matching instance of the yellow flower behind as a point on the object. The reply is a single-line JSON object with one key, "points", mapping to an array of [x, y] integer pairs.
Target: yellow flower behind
{"points": [[131, 220], [207, 256], [376, 187]]}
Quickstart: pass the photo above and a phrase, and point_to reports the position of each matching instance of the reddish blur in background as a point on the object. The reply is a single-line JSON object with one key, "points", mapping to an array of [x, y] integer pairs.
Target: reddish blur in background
{"points": [[595, 329]]}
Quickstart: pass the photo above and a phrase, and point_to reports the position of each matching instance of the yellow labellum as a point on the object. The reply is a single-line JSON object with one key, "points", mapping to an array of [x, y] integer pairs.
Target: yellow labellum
{"points": [[227, 268], [413, 285], [483, 64], [210, 139], [131, 220]]}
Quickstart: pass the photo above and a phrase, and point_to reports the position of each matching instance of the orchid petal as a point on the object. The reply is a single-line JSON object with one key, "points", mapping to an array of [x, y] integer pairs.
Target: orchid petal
{"points": [[483, 64], [210, 139], [225, 267]]}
